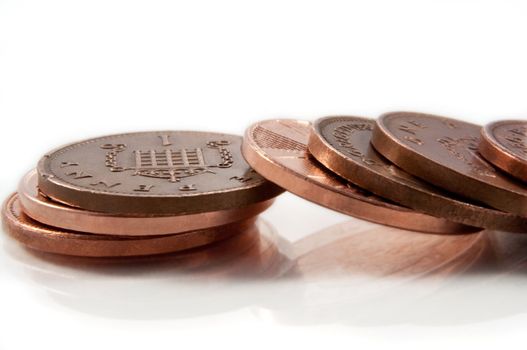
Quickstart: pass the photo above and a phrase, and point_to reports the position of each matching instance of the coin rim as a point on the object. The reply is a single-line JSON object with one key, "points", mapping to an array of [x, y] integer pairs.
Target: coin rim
{"points": [[345, 167], [391, 214], [441, 175], [140, 203], [496, 153]]}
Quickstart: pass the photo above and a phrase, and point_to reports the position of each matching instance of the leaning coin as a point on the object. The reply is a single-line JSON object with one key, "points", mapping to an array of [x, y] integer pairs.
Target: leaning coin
{"points": [[342, 144], [504, 144], [55, 240], [49, 212], [163, 172], [444, 152], [277, 149]]}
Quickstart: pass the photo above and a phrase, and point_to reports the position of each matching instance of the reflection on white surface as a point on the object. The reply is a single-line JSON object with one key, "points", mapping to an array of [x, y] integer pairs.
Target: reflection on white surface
{"points": [[349, 273]]}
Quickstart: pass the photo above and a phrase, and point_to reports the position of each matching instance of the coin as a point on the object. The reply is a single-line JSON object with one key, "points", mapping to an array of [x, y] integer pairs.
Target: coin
{"points": [[342, 144], [277, 149], [504, 144], [163, 172], [444, 152], [49, 212], [55, 240]]}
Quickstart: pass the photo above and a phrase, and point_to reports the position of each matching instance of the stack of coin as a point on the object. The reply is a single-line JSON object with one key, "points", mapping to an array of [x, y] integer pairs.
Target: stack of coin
{"points": [[414, 171], [138, 194]]}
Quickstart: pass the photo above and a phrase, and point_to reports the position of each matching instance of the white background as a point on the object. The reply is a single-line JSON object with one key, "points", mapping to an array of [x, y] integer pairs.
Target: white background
{"points": [[71, 70]]}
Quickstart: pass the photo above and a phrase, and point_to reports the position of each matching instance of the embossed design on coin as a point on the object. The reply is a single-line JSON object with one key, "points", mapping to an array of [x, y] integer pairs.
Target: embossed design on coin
{"points": [[166, 172], [287, 162], [504, 144], [342, 144], [449, 159]]}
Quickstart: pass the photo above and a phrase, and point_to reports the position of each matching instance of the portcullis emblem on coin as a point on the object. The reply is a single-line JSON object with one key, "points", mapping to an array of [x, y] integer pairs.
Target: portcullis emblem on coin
{"points": [[166, 172]]}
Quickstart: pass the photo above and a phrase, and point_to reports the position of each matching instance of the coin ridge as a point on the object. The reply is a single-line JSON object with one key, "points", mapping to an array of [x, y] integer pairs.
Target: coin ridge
{"points": [[506, 221], [404, 156], [441, 225]]}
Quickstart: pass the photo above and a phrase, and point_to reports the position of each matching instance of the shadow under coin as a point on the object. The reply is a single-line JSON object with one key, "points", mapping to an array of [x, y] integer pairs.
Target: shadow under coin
{"points": [[200, 281]]}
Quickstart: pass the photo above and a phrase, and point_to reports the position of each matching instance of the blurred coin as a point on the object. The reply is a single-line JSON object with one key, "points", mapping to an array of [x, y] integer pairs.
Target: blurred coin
{"points": [[444, 152], [49, 212], [277, 149], [54, 240], [342, 144], [504, 144], [163, 172]]}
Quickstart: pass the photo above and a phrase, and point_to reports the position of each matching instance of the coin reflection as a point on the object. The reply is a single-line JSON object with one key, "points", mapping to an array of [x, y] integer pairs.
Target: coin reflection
{"points": [[350, 249]]}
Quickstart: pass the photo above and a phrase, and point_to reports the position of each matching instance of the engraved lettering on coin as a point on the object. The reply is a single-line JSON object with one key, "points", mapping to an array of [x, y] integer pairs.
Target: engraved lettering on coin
{"points": [[105, 184], [165, 139], [186, 188], [242, 179], [144, 188], [68, 164], [79, 175]]}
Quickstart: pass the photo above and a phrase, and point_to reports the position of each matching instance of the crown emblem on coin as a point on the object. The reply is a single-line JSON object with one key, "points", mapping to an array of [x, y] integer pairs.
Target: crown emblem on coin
{"points": [[171, 164]]}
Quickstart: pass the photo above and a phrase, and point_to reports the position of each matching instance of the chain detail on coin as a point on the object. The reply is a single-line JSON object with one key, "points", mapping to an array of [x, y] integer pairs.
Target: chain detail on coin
{"points": [[277, 149], [164, 172], [445, 153], [504, 144], [342, 144]]}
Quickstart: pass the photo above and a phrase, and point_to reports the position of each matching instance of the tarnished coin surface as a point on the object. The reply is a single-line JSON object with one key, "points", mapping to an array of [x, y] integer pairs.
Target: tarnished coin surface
{"points": [[504, 144], [342, 144], [277, 149], [49, 212], [444, 152], [55, 240], [163, 172]]}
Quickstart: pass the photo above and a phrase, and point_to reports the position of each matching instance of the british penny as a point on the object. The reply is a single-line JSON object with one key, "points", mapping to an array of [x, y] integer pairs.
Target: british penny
{"points": [[277, 149], [49, 212], [55, 240], [504, 144], [162, 172], [444, 152], [342, 144]]}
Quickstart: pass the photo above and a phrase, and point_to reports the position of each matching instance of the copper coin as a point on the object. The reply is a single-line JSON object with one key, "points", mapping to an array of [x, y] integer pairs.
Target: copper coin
{"points": [[49, 212], [342, 144], [163, 172], [277, 149], [55, 240], [504, 144], [444, 152]]}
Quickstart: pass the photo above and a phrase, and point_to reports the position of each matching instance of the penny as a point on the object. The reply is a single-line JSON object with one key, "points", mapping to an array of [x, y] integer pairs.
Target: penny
{"points": [[49, 212], [163, 172], [55, 240], [444, 152], [504, 144], [342, 144], [277, 149]]}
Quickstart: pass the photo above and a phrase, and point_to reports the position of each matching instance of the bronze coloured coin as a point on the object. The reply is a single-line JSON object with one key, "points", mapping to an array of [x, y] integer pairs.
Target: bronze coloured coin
{"points": [[163, 172], [49, 212], [342, 144], [277, 149], [55, 240], [504, 144], [444, 152]]}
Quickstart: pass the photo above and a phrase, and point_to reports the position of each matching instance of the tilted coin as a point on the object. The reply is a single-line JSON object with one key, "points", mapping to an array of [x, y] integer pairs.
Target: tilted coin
{"points": [[504, 144], [342, 144], [55, 240], [49, 212], [444, 152], [277, 149], [163, 172]]}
